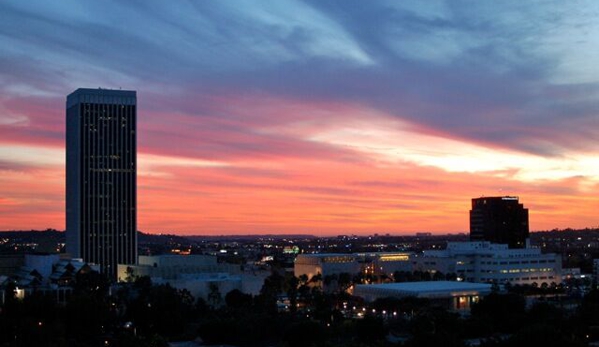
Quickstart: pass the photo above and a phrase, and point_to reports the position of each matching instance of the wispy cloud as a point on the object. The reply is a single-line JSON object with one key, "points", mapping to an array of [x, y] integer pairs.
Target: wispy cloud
{"points": [[290, 115]]}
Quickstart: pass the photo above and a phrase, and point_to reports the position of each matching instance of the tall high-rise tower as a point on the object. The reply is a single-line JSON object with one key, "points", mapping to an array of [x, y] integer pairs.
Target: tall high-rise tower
{"points": [[499, 220], [101, 186]]}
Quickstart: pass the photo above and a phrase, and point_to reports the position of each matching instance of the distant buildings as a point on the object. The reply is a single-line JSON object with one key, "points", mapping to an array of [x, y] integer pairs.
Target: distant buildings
{"points": [[482, 262], [501, 220], [101, 163]]}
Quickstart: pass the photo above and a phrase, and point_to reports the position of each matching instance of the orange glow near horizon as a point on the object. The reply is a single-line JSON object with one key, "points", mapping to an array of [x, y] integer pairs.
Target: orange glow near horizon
{"points": [[305, 168]]}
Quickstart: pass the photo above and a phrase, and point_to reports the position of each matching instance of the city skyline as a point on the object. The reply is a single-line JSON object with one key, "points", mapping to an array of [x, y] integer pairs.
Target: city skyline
{"points": [[309, 117]]}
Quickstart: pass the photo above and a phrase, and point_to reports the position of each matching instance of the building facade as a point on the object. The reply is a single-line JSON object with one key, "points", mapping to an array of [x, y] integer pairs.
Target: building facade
{"points": [[369, 263], [325, 264], [501, 220], [384, 263], [101, 180], [171, 266], [492, 263]]}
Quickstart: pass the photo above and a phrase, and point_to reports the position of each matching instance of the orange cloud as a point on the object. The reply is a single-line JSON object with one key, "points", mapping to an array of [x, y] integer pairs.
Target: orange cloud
{"points": [[267, 165]]}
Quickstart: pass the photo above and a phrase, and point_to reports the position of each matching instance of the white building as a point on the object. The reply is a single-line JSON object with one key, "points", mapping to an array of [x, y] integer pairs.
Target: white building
{"points": [[486, 262], [385, 263], [325, 264], [454, 295], [200, 274], [171, 266], [46, 273], [374, 263]]}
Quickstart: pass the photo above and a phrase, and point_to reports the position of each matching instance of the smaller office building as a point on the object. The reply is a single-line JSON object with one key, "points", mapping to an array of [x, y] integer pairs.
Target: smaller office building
{"points": [[453, 295]]}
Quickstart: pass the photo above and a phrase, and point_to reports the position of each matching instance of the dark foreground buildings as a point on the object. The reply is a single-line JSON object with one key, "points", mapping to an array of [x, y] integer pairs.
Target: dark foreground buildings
{"points": [[499, 220], [101, 203]]}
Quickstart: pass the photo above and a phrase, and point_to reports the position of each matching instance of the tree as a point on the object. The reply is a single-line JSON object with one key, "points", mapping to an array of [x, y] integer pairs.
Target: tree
{"points": [[130, 275], [438, 276], [435, 326], [142, 283], [235, 299], [161, 309], [10, 293], [304, 334], [452, 276], [214, 296], [84, 326], [344, 281], [93, 283], [502, 312], [303, 279], [316, 279], [291, 286], [329, 279], [370, 329], [402, 276], [269, 293]]}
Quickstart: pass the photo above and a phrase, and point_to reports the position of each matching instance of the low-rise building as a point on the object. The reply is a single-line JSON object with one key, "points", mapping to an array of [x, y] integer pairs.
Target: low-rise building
{"points": [[202, 275], [373, 263], [325, 264], [384, 263], [487, 262], [451, 294], [171, 266], [51, 274]]}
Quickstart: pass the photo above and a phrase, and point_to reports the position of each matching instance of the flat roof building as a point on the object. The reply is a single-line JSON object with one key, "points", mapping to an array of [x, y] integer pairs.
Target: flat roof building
{"points": [[373, 263], [487, 262], [325, 264], [172, 266], [456, 295], [501, 220]]}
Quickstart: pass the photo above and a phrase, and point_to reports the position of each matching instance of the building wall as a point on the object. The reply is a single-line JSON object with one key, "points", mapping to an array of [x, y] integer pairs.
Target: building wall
{"points": [[199, 285], [10, 263], [385, 263], [174, 266], [177, 260]]}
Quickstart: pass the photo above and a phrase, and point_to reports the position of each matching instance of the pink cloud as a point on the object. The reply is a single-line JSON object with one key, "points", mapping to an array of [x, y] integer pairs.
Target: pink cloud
{"points": [[249, 164]]}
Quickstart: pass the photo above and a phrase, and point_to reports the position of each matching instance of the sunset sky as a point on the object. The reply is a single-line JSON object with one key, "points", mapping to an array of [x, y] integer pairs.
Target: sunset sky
{"points": [[317, 117]]}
